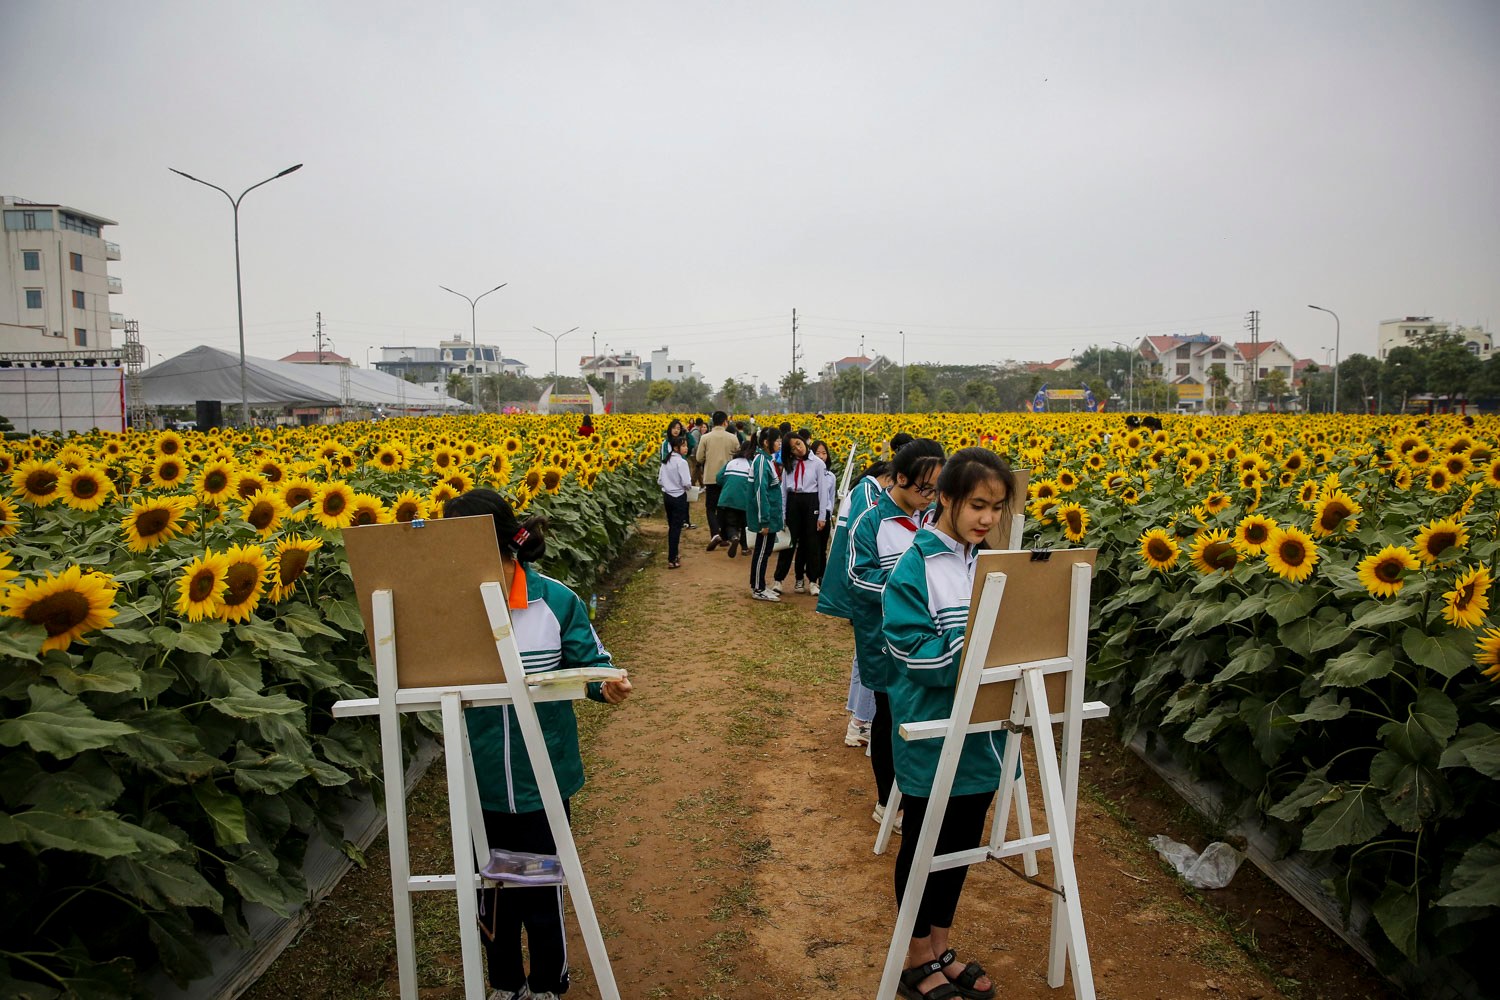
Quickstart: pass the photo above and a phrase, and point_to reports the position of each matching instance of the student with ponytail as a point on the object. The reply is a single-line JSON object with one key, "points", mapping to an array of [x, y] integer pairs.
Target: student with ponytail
{"points": [[552, 629], [877, 538], [926, 612]]}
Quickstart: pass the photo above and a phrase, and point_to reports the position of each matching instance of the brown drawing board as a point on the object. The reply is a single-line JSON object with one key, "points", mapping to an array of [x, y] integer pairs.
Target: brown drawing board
{"points": [[1032, 623], [433, 572], [999, 536]]}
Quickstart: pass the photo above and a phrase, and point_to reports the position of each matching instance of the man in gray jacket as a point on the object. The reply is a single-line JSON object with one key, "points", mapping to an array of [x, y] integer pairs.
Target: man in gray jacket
{"points": [[714, 451]]}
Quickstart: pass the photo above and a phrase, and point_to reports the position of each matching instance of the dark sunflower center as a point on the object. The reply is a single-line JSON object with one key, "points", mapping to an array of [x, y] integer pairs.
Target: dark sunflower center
{"points": [[334, 504], [261, 515], [551, 479], [1389, 571], [291, 566], [1255, 533], [1464, 596], [1440, 541], [201, 586], [168, 447], [242, 578], [153, 522], [1220, 555], [1075, 520], [298, 495], [271, 473], [1333, 516], [386, 458], [365, 515], [406, 511], [41, 482], [1293, 552], [59, 612], [248, 487], [215, 481], [169, 472], [85, 487], [1159, 549]]}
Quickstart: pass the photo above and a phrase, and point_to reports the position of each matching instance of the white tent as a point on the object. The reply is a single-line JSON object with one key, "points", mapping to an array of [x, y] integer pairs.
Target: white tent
{"points": [[210, 373]]}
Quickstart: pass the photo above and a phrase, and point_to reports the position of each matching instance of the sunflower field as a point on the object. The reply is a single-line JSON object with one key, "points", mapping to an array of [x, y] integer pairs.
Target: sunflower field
{"points": [[1301, 607], [176, 620]]}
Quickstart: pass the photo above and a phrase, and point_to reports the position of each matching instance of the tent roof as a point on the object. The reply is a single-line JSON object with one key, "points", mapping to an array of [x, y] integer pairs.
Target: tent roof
{"points": [[210, 373]]}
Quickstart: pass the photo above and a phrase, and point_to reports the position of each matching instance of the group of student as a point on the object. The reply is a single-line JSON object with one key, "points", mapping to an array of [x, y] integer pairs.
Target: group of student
{"points": [[903, 548]]}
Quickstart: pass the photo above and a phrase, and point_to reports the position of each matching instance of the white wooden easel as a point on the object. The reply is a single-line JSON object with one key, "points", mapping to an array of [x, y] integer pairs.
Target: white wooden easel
{"points": [[1059, 780], [470, 844]]}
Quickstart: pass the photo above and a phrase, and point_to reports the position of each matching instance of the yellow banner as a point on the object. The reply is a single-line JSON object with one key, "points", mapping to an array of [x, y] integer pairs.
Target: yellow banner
{"points": [[1189, 391], [1064, 393], [570, 398]]}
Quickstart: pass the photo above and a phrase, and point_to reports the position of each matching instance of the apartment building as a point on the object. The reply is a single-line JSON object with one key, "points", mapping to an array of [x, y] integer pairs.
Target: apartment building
{"points": [[614, 369], [1411, 331], [55, 285], [664, 366]]}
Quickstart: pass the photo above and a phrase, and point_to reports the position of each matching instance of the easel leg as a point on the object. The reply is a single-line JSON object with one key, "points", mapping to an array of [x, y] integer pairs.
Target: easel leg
{"points": [[1068, 939], [461, 824], [888, 821], [1023, 821], [394, 768]]}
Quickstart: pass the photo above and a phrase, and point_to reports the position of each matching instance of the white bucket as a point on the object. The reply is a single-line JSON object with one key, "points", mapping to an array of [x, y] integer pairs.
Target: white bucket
{"points": [[693, 493]]}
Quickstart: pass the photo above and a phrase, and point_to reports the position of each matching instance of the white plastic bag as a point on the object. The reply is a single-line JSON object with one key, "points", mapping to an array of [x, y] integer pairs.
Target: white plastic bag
{"points": [[1210, 870]]}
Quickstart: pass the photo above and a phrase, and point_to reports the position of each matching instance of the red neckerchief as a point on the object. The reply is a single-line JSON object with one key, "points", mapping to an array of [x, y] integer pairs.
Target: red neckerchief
{"points": [[906, 523], [797, 475]]}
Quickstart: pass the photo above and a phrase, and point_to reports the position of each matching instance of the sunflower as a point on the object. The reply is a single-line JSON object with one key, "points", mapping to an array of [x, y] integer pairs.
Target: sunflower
{"points": [[6, 573], [153, 521], [1130, 496], [264, 511], [85, 488], [1420, 456], [1159, 549], [1043, 489], [512, 445], [1437, 537], [168, 471], [1467, 602], [1252, 534], [332, 507], [247, 484], [1492, 473], [441, 494], [271, 471], [1074, 520], [461, 481], [445, 458], [201, 586], [215, 481], [552, 478], [1216, 502], [66, 605], [168, 443], [368, 509], [1043, 511], [1487, 653], [1066, 480], [297, 491], [1457, 466], [288, 562], [408, 506], [244, 582], [10, 521], [7, 463], [1295, 462], [532, 481], [1335, 512], [1383, 573], [1438, 480], [1307, 495], [390, 458], [35, 481], [1402, 478], [1291, 553], [1212, 550]]}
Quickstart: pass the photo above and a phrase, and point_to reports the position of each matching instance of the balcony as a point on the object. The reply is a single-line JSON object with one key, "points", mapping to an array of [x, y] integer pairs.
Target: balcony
{"points": [[116, 321], [116, 286], [111, 250]]}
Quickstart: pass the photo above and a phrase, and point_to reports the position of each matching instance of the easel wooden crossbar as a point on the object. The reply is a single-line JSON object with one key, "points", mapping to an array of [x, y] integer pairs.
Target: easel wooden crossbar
{"points": [[382, 560], [1024, 686]]}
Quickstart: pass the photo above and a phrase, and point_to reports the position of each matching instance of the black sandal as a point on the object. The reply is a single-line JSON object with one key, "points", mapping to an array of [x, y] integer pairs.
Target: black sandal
{"points": [[912, 978], [964, 983]]}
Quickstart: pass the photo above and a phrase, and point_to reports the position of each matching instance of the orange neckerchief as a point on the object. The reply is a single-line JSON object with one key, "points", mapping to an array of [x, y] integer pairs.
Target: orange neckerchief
{"points": [[517, 599]]}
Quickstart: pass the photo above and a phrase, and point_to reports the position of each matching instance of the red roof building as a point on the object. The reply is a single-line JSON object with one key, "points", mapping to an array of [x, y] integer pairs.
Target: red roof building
{"points": [[314, 358]]}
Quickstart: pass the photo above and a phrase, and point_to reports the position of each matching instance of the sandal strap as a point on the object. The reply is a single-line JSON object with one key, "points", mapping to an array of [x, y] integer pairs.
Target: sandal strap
{"points": [[971, 974]]}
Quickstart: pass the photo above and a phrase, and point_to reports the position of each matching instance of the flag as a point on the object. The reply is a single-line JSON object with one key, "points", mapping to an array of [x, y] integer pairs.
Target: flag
{"points": [[1039, 401], [1089, 402]]}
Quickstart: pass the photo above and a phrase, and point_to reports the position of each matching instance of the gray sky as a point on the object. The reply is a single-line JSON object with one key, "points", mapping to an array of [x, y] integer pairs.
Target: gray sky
{"points": [[1000, 180]]}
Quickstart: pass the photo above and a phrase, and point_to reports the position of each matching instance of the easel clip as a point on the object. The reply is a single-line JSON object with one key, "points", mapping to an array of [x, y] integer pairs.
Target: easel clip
{"points": [[1041, 555]]}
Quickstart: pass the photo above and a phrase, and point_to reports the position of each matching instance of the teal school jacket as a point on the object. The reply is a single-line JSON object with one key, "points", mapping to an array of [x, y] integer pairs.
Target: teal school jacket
{"points": [[877, 537], [834, 599], [763, 507]]}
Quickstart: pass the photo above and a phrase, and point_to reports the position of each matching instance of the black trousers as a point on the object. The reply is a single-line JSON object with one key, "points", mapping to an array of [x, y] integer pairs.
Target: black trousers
{"points": [[731, 524], [759, 558], [802, 522], [963, 828], [882, 756], [677, 516], [539, 909], [711, 509]]}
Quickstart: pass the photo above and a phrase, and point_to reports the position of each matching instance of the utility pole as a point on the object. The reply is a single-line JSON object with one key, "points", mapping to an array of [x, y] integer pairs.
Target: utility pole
{"points": [[903, 370], [861, 373], [796, 356], [320, 338], [1252, 323]]}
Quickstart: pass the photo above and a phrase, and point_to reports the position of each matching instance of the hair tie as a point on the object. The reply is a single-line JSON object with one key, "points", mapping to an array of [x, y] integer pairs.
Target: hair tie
{"points": [[520, 537]]}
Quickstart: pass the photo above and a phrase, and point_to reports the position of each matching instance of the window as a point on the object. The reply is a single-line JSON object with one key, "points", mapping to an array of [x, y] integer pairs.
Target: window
{"points": [[1218, 352], [78, 224], [80, 336], [31, 260], [1182, 368], [23, 219], [1183, 351], [78, 300], [75, 261], [33, 298]]}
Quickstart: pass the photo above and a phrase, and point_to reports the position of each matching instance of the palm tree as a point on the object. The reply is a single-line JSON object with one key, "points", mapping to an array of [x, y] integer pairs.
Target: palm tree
{"points": [[791, 384]]}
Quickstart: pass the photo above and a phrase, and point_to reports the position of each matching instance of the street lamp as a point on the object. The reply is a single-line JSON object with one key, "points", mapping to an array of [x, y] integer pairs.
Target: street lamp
{"points": [[1126, 348], [1335, 353], [903, 370], [555, 338], [474, 337], [239, 296]]}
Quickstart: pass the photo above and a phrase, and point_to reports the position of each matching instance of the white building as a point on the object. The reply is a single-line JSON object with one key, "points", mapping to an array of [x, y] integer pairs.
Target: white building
{"points": [[55, 285], [1187, 362], [663, 366], [486, 359], [614, 369], [1410, 331]]}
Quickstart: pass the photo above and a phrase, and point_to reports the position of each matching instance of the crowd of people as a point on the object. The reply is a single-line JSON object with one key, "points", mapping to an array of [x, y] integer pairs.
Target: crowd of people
{"points": [[895, 558]]}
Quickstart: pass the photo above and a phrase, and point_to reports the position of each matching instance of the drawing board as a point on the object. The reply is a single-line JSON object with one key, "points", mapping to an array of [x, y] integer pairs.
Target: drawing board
{"points": [[999, 536]]}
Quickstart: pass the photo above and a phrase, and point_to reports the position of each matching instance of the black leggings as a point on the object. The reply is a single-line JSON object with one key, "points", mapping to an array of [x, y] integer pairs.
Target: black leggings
{"points": [[962, 829], [711, 509], [882, 756], [677, 516], [732, 525], [802, 522], [539, 909], [759, 559]]}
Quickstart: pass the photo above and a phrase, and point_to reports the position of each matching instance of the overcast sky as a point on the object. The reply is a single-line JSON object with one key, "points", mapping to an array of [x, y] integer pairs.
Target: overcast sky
{"points": [[1000, 180]]}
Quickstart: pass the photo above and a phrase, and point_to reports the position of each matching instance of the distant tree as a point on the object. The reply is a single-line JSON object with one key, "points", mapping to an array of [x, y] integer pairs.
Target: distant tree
{"points": [[846, 386], [1218, 385], [947, 401], [1359, 379], [597, 383], [792, 384], [658, 392], [1404, 374], [917, 401], [1449, 365], [691, 394], [631, 397], [1274, 387]]}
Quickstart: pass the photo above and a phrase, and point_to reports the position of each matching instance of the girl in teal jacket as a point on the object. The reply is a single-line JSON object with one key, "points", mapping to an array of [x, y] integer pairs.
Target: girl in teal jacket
{"points": [[734, 496], [763, 514], [926, 611], [552, 629], [877, 537]]}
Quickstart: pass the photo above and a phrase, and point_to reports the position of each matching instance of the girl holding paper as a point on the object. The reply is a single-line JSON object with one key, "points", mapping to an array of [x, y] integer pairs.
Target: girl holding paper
{"points": [[553, 631]]}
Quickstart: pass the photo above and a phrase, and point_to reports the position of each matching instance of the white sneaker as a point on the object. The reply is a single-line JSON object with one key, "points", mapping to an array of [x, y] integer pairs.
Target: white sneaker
{"points": [[879, 817], [775, 586], [766, 595], [524, 993], [851, 733], [800, 586], [549, 995], [814, 589]]}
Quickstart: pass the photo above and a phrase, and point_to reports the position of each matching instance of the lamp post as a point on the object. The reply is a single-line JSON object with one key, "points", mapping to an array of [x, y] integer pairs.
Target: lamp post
{"points": [[903, 370], [555, 338], [474, 337], [239, 296], [1335, 353], [1126, 348]]}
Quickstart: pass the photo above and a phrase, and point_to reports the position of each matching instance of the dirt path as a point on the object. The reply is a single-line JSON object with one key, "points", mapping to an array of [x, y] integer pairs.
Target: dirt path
{"points": [[727, 836]]}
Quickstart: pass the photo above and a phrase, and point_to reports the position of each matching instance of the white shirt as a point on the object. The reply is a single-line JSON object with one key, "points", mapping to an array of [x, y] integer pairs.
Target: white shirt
{"points": [[673, 477]]}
